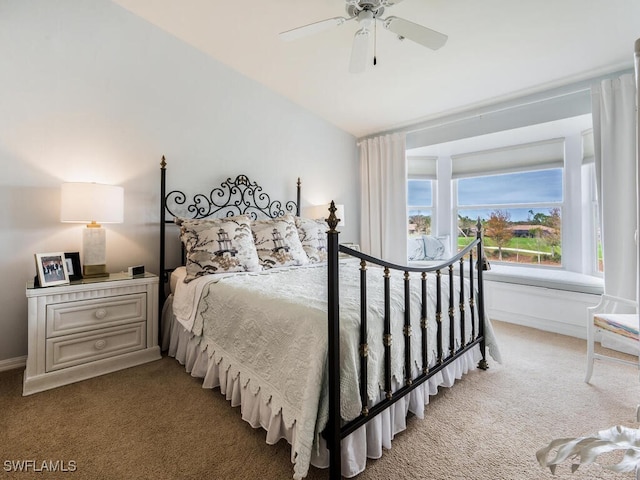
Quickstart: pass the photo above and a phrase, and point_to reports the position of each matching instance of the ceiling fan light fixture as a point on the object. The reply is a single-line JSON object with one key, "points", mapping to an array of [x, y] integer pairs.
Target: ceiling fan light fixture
{"points": [[359, 51], [366, 18]]}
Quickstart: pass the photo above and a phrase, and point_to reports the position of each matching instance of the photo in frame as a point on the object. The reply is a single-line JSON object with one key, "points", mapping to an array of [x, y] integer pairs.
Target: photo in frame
{"points": [[74, 269], [52, 269]]}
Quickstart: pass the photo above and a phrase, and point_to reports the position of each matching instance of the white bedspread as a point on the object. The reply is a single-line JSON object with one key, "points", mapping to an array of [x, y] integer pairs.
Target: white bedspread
{"points": [[269, 330]]}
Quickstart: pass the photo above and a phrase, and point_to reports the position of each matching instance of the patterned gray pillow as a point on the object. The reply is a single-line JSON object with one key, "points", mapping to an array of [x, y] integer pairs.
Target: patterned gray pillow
{"points": [[313, 236], [415, 249], [436, 248], [277, 242], [218, 245]]}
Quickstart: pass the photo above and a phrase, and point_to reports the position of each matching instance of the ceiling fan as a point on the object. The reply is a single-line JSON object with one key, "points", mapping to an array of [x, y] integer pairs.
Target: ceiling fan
{"points": [[366, 12]]}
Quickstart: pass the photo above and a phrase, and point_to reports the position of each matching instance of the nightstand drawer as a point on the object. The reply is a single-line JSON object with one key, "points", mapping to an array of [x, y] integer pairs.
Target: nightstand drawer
{"points": [[62, 352], [85, 315]]}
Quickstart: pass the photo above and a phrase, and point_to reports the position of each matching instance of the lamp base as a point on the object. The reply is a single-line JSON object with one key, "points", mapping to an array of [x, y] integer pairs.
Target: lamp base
{"points": [[94, 271], [94, 252]]}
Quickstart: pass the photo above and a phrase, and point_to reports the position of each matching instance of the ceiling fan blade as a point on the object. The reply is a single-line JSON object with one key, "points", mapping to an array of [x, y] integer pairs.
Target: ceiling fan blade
{"points": [[359, 51], [417, 33], [312, 28]]}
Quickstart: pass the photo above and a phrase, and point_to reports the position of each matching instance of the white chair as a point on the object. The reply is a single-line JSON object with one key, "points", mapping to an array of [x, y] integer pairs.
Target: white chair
{"points": [[620, 328]]}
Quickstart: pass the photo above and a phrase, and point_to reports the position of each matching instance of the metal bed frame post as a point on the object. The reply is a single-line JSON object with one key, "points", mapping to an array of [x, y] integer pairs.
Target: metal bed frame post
{"points": [[333, 426], [482, 265], [162, 274], [408, 379], [364, 344], [463, 336], [452, 330]]}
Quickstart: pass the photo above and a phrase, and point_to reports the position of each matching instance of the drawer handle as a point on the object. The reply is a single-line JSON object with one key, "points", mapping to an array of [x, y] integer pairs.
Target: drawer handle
{"points": [[101, 313], [100, 344]]}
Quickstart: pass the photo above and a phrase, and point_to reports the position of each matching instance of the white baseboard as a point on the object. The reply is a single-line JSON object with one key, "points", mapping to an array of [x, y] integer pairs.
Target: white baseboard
{"points": [[12, 363], [545, 324]]}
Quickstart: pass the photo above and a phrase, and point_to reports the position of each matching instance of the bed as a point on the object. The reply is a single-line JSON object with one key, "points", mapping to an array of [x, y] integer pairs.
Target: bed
{"points": [[319, 344]]}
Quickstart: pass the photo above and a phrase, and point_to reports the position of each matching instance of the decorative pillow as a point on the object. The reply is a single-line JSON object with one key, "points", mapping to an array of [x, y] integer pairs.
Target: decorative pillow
{"points": [[218, 245], [428, 247], [415, 249], [313, 236], [277, 242], [436, 248]]}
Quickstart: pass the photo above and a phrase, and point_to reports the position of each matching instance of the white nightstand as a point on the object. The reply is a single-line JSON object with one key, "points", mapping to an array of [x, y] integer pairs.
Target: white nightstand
{"points": [[89, 328]]}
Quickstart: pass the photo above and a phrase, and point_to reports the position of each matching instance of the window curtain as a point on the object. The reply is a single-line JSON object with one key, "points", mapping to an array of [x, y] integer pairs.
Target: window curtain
{"points": [[614, 128], [383, 177]]}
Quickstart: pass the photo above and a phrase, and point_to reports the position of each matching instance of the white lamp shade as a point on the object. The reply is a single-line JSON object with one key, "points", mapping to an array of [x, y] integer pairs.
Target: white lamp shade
{"points": [[322, 211], [91, 202]]}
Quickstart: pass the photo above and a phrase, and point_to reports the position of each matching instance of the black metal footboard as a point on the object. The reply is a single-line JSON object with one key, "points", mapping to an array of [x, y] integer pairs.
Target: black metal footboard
{"points": [[448, 350]]}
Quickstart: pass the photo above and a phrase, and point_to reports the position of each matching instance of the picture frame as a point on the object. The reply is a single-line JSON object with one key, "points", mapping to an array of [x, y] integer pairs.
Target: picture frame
{"points": [[52, 269], [72, 259]]}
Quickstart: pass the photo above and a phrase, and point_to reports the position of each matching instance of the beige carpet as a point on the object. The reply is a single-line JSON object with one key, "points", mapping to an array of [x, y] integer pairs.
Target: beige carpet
{"points": [[154, 421]]}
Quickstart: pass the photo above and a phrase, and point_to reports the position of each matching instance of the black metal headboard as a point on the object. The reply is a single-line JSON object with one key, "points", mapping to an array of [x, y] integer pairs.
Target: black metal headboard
{"points": [[232, 197], [238, 197]]}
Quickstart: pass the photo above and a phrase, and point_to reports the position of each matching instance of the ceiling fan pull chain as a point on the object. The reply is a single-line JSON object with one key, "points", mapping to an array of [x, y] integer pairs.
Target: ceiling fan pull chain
{"points": [[375, 43]]}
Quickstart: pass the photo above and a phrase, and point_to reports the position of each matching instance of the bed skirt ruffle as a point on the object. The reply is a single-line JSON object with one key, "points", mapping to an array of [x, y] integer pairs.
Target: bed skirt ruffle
{"points": [[366, 442]]}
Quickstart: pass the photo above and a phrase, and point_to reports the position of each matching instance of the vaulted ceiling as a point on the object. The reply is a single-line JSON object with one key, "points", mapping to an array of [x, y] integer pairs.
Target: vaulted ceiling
{"points": [[496, 50]]}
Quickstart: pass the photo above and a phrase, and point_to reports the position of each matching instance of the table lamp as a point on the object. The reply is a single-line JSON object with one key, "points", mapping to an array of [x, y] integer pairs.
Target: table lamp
{"points": [[93, 204], [322, 211]]}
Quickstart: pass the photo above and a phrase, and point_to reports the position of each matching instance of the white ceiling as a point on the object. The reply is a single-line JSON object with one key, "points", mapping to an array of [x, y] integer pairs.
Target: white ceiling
{"points": [[497, 49]]}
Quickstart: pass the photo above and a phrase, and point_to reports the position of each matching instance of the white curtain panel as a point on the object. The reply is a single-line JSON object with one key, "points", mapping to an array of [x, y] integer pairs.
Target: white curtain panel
{"points": [[637, 72], [383, 177], [614, 126]]}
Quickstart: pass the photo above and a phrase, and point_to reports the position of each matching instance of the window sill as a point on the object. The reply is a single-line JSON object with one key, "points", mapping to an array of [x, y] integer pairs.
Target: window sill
{"points": [[546, 278]]}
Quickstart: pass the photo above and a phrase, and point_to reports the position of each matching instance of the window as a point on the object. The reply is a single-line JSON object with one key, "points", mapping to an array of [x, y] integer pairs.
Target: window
{"points": [[420, 207], [420, 194], [521, 215], [517, 192], [532, 187]]}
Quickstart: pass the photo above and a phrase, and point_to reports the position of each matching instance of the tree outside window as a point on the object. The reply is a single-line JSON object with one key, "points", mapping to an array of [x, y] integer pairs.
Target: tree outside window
{"points": [[498, 228]]}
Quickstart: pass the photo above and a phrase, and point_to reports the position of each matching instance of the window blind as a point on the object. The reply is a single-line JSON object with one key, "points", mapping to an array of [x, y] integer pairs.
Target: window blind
{"points": [[421, 167], [515, 158]]}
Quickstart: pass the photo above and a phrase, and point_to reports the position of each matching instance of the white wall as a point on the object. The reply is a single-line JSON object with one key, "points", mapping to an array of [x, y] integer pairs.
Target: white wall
{"points": [[89, 92]]}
